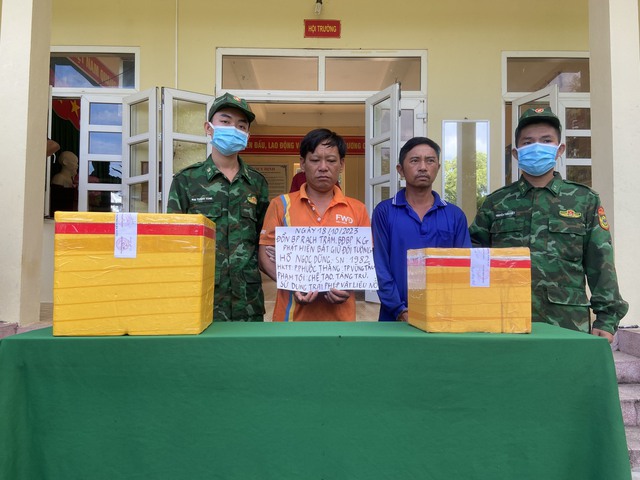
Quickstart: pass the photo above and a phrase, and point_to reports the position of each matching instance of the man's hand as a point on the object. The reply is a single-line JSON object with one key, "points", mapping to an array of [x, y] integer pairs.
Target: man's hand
{"points": [[267, 260], [271, 252], [601, 333], [336, 296], [304, 298]]}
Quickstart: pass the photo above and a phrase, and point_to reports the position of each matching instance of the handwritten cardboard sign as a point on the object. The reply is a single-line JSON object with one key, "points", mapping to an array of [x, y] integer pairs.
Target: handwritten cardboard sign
{"points": [[310, 259]]}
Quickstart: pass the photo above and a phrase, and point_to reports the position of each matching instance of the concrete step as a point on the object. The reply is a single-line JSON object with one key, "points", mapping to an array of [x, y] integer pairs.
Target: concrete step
{"points": [[630, 403], [628, 341], [627, 367], [7, 329], [627, 363], [33, 326], [633, 444]]}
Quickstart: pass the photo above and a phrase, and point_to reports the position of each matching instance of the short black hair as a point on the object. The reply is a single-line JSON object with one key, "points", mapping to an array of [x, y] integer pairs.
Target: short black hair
{"points": [[322, 136], [414, 142]]}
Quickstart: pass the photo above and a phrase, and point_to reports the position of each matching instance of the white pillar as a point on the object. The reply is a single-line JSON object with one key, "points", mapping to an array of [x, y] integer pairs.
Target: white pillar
{"points": [[24, 62], [615, 124]]}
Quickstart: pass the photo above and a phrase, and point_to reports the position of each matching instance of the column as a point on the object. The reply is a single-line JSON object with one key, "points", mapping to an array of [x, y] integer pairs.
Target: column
{"points": [[24, 59], [615, 124]]}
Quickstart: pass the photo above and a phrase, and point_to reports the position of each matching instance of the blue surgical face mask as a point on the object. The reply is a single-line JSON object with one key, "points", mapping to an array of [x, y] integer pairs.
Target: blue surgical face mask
{"points": [[228, 140], [536, 159]]}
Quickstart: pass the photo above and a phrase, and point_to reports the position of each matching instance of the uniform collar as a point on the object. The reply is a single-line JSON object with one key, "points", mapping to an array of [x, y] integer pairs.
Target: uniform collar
{"points": [[211, 170], [553, 186]]}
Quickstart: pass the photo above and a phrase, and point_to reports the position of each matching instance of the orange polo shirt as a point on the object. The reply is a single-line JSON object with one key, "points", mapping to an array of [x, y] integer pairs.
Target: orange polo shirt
{"points": [[296, 210]]}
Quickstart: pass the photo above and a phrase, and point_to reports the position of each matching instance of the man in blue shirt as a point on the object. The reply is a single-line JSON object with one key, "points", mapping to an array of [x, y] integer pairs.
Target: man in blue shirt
{"points": [[416, 217]]}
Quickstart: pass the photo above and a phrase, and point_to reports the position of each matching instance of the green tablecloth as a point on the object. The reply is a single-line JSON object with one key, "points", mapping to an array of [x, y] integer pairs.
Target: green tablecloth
{"points": [[311, 401]]}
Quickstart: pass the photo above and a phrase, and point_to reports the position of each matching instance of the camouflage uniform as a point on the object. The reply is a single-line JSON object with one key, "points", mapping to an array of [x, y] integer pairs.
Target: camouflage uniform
{"points": [[238, 209], [566, 230]]}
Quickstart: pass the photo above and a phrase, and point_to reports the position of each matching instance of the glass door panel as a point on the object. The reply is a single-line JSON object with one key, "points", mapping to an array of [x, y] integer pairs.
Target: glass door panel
{"points": [[184, 140], [187, 153], [547, 97], [188, 116], [100, 159], [575, 114], [139, 152], [382, 153], [382, 126]]}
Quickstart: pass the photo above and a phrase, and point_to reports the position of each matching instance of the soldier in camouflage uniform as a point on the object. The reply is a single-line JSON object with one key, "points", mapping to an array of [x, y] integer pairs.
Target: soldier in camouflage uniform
{"points": [[565, 227], [235, 196]]}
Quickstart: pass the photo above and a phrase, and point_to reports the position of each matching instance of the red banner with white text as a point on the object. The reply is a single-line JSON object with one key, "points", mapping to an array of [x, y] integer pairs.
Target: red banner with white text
{"points": [[290, 145]]}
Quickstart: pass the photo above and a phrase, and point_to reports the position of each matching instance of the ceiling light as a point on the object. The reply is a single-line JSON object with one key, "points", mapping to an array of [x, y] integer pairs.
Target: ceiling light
{"points": [[318, 8]]}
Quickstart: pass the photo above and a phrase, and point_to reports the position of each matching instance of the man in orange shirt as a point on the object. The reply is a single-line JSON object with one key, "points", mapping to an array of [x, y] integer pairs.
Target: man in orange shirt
{"points": [[319, 203]]}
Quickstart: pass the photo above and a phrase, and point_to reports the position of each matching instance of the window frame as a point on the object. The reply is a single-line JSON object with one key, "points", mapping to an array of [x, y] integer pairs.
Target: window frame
{"points": [[79, 93], [84, 50], [563, 97], [321, 94]]}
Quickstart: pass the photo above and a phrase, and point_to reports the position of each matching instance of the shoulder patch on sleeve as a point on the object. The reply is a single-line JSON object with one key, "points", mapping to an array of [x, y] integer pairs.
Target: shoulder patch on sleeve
{"points": [[602, 219]]}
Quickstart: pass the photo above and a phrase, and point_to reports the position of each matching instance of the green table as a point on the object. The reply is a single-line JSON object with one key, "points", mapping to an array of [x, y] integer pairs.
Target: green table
{"points": [[311, 401]]}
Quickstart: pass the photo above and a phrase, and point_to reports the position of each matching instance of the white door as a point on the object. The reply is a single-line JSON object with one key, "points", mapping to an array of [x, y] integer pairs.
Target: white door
{"points": [[385, 137], [120, 168], [139, 152], [547, 97], [382, 124], [100, 154], [47, 185], [183, 138], [390, 121], [413, 122], [575, 115]]}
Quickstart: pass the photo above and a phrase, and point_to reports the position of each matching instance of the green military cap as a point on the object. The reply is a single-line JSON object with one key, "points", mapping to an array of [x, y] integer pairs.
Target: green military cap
{"points": [[231, 101], [538, 115]]}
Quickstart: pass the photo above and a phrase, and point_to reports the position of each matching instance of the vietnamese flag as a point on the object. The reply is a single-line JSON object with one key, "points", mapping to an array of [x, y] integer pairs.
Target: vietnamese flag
{"points": [[68, 109]]}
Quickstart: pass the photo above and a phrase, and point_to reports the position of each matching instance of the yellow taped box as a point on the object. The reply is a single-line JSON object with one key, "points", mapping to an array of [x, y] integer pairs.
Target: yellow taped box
{"points": [[135, 274], [470, 290]]}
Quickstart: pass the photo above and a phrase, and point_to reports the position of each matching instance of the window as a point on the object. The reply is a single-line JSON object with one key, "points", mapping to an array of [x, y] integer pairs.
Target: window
{"points": [[528, 74], [92, 70], [371, 73], [465, 163], [106, 74], [525, 74], [252, 72], [577, 133], [289, 70]]}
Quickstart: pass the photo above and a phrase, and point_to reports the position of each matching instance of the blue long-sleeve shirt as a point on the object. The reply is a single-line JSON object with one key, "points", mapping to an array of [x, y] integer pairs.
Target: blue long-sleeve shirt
{"points": [[396, 229]]}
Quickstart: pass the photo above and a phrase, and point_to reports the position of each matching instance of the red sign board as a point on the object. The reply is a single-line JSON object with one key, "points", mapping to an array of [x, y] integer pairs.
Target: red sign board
{"points": [[290, 145], [322, 28]]}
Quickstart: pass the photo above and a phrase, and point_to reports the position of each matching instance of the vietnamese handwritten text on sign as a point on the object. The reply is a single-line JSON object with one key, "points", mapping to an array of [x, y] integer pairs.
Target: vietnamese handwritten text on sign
{"points": [[310, 259]]}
